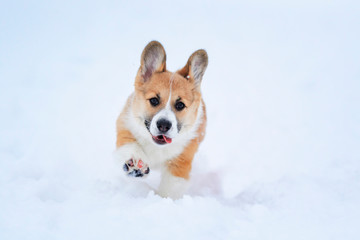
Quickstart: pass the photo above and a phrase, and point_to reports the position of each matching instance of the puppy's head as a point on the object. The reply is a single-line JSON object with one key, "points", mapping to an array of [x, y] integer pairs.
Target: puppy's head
{"points": [[165, 103]]}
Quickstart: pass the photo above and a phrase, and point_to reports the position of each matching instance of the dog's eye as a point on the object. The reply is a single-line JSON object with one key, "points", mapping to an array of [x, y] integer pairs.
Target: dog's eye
{"points": [[179, 106], [154, 102]]}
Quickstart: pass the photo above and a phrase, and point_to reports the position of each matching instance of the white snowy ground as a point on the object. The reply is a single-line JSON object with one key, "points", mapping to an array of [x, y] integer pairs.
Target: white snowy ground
{"points": [[281, 158]]}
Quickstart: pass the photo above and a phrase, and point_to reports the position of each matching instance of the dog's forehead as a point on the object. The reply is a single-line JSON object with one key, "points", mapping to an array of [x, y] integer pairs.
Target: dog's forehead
{"points": [[162, 83], [159, 82]]}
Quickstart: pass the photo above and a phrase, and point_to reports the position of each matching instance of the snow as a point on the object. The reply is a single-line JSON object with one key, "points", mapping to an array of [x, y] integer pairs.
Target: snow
{"points": [[281, 155]]}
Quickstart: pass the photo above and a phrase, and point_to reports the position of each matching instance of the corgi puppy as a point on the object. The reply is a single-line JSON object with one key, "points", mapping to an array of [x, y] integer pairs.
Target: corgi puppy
{"points": [[163, 121]]}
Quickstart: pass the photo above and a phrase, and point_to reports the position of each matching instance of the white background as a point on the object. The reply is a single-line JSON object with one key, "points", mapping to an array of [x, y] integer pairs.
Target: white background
{"points": [[281, 155]]}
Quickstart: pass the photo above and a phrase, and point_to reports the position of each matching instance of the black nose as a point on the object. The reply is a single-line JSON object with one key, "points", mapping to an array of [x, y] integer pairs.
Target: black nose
{"points": [[163, 125]]}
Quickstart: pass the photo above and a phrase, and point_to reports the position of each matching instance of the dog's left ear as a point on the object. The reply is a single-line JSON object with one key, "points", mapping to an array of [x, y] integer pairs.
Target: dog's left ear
{"points": [[195, 67], [153, 59]]}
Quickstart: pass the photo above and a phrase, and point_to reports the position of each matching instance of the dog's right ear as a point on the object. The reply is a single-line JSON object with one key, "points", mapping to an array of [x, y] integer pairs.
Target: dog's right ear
{"points": [[195, 67], [153, 59]]}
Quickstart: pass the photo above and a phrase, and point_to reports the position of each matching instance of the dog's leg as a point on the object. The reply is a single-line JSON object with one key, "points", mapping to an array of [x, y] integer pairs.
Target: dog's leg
{"points": [[130, 154], [172, 186], [176, 174]]}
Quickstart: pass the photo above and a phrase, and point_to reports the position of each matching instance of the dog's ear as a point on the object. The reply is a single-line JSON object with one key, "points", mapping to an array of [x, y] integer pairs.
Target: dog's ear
{"points": [[153, 59], [195, 67]]}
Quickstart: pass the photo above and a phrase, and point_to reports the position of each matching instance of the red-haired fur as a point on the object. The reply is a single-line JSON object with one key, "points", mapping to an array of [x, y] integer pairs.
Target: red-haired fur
{"points": [[138, 124]]}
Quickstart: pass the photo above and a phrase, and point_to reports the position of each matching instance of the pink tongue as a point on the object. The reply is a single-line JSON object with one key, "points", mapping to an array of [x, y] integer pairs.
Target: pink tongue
{"points": [[167, 140]]}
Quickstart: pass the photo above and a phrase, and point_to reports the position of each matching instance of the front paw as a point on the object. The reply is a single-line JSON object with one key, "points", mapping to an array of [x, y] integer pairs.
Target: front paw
{"points": [[136, 168]]}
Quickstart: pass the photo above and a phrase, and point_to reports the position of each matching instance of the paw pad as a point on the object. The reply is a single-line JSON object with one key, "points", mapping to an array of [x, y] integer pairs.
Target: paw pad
{"points": [[140, 164], [136, 168]]}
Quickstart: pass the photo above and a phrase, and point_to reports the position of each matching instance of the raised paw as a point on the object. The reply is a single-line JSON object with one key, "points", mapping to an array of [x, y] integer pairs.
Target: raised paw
{"points": [[136, 168]]}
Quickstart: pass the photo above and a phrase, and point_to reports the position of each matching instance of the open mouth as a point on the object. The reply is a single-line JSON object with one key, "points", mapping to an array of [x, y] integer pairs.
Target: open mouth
{"points": [[161, 139]]}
